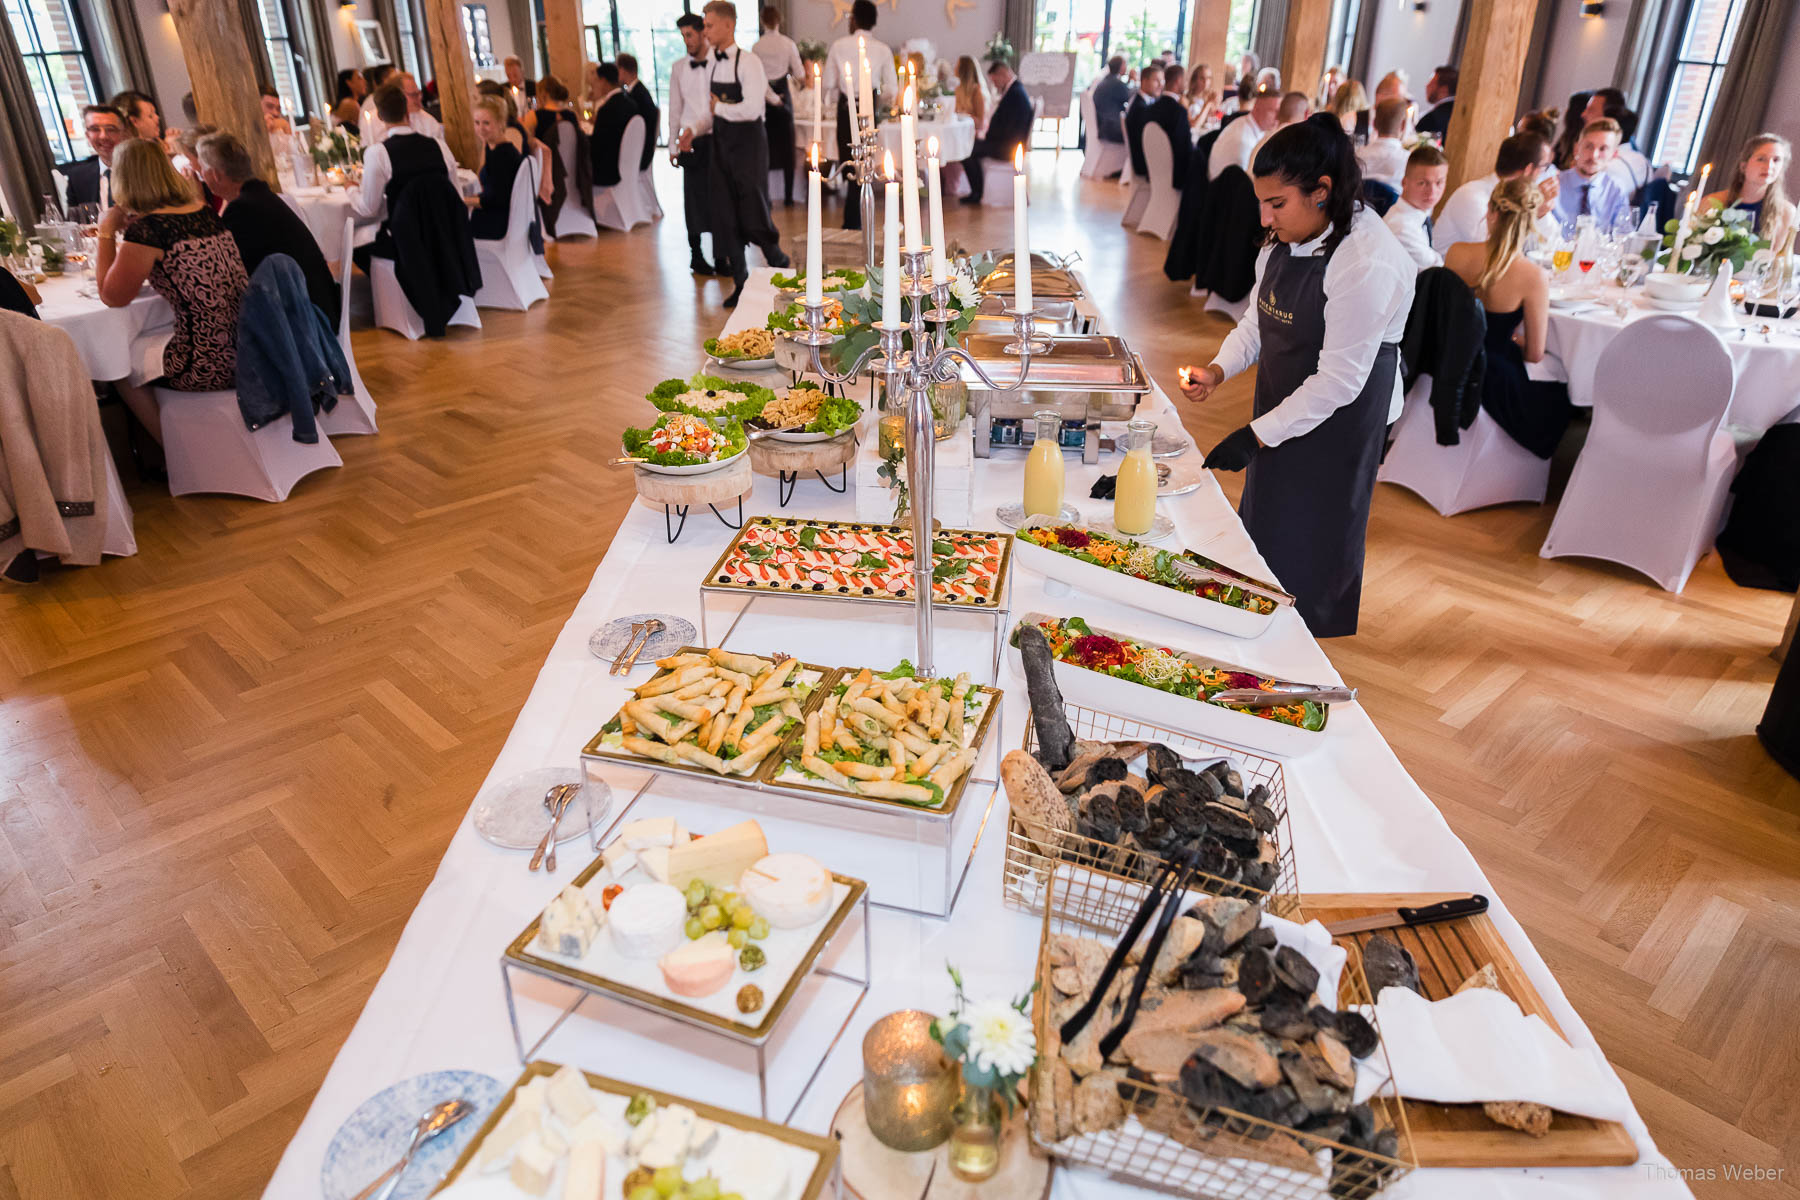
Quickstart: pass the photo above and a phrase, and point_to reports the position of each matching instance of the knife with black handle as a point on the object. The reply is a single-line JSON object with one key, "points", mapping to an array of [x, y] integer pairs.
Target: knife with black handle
{"points": [[1430, 914]]}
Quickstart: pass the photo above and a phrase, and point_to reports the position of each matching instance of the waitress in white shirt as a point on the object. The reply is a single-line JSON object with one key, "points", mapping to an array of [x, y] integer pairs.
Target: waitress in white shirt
{"points": [[1332, 294]]}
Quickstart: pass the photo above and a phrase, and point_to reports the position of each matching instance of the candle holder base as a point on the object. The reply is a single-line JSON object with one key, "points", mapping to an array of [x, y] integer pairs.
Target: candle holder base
{"points": [[872, 1171]]}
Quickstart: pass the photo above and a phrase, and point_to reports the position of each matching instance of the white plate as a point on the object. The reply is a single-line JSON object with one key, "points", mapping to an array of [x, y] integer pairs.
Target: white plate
{"points": [[1180, 481], [511, 814], [780, 436], [1570, 300], [1013, 515], [1161, 530], [696, 469], [744, 364], [1673, 305]]}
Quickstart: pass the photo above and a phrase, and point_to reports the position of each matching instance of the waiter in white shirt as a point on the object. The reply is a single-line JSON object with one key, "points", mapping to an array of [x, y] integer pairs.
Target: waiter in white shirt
{"points": [[689, 97], [740, 151], [1332, 294], [780, 59], [848, 52]]}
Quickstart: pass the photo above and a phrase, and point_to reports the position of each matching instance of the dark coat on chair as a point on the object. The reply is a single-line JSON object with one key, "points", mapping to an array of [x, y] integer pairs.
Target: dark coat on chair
{"points": [[434, 252], [1446, 332], [1760, 544], [1112, 95], [1437, 121], [1183, 259], [1137, 115], [13, 297], [1230, 236], [646, 104], [580, 161], [1379, 196], [262, 224], [610, 120], [288, 358], [1172, 116]]}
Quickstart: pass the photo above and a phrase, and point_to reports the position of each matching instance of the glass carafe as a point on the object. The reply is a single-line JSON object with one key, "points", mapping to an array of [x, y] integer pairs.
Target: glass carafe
{"points": [[1134, 496], [1044, 467]]}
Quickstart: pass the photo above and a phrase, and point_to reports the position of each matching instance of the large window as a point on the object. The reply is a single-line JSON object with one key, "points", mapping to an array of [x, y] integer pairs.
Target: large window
{"points": [[477, 36], [1709, 28], [283, 36], [410, 25], [60, 67], [1340, 45], [646, 30]]}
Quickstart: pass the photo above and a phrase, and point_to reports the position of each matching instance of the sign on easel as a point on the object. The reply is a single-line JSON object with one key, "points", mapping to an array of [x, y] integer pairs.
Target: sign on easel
{"points": [[1049, 76]]}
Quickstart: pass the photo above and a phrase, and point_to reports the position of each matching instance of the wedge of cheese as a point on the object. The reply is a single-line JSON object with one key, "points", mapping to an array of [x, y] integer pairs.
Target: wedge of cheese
{"points": [[620, 858], [646, 920], [534, 1162], [587, 1172], [718, 859], [655, 861], [790, 891], [598, 1127], [496, 1150], [652, 831], [700, 967], [742, 1162], [570, 1097], [570, 925]]}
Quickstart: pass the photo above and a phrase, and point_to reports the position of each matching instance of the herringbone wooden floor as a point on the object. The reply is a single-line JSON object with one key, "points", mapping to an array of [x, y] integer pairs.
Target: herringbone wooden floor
{"points": [[228, 766]]}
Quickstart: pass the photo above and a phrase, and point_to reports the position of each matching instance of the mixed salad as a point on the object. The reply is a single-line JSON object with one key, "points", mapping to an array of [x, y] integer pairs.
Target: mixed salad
{"points": [[680, 440], [706, 395], [1073, 642], [792, 319], [842, 279], [1145, 562]]}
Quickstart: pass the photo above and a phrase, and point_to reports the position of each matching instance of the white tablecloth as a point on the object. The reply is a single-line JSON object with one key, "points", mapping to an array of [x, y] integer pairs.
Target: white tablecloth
{"points": [[955, 135], [1359, 824], [324, 209], [102, 334], [1768, 379]]}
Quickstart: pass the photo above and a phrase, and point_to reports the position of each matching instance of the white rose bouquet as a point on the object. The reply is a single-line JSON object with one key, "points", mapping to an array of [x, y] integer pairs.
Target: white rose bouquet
{"points": [[994, 1042], [1717, 234]]}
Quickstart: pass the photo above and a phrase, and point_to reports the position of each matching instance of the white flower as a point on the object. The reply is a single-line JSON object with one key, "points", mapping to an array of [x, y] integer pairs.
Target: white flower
{"points": [[1713, 236], [963, 289], [1000, 1038], [1691, 250]]}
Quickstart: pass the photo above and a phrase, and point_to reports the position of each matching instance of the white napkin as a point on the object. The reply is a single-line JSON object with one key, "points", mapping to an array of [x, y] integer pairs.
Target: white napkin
{"points": [[1648, 224], [62, 191], [1476, 1046], [1314, 941]]}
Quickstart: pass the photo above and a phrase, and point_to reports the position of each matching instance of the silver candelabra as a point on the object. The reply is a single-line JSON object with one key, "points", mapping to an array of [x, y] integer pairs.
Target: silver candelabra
{"points": [[861, 167], [932, 359]]}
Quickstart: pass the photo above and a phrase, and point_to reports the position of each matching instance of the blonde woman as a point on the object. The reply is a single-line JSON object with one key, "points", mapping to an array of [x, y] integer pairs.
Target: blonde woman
{"points": [[1515, 293], [971, 93], [1758, 187], [175, 242], [1350, 105]]}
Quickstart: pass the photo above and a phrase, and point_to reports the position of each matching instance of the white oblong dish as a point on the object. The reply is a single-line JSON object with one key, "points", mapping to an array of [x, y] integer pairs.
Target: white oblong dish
{"points": [[695, 469], [744, 364]]}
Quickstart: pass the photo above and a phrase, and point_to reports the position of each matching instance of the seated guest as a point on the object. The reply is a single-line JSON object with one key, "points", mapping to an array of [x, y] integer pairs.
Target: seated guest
{"points": [[1294, 108], [90, 179], [613, 110], [1629, 167], [1541, 122], [1464, 218], [398, 157], [1516, 294], [376, 75], [500, 165], [1137, 115], [1201, 99], [1440, 94], [1421, 187], [555, 124], [261, 223], [971, 93], [646, 105], [1111, 95], [1009, 129], [273, 120], [525, 90], [1383, 159], [1350, 104], [1757, 187], [18, 296], [1169, 112], [1585, 189], [1562, 151], [1238, 140], [346, 109], [417, 119], [142, 118], [176, 243], [511, 130], [1392, 87]]}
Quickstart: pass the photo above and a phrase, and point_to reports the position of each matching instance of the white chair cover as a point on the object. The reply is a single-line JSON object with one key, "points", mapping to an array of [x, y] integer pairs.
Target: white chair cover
{"points": [[1139, 186], [1102, 158], [543, 264], [120, 538], [1649, 489], [647, 184], [208, 449], [572, 220], [1484, 467], [997, 181], [621, 206], [1164, 206], [355, 413], [394, 311], [509, 277]]}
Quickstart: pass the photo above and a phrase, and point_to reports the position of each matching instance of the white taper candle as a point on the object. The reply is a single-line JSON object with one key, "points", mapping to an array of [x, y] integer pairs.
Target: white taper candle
{"points": [[909, 175], [890, 256], [1021, 236], [815, 240], [940, 269]]}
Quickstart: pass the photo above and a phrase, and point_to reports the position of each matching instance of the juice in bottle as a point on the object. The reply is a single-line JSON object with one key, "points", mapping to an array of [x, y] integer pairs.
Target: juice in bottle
{"points": [[1134, 497], [1044, 467]]}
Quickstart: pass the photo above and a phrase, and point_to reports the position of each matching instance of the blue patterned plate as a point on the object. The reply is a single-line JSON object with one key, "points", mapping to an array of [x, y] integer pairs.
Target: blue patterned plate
{"points": [[610, 639], [378, 1132]]}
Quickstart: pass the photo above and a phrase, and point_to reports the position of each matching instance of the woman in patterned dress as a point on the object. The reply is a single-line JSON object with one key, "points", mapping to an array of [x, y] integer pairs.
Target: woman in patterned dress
{"points": [[176, 243]]}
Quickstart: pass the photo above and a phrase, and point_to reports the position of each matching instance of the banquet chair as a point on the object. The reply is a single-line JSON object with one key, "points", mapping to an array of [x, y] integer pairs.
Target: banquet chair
{"points": [[1485, 466], [1164, 205], [621, 206], [997, 182], [354, 414], [646, 181], [1650, 487], [394, 311], [543, 264], [573, 219], [1102, 159], [207, 448], [509, 277], [1140, 187]]}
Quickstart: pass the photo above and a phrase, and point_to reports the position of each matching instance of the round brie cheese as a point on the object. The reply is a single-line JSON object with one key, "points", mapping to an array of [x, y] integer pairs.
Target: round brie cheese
{"points": [[646, 920], [791, 891], [749, 1165]]}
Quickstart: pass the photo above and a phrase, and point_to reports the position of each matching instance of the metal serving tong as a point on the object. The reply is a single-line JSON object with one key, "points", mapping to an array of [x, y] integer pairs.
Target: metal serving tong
{"points": [[1283, 693], [1192, 570]]}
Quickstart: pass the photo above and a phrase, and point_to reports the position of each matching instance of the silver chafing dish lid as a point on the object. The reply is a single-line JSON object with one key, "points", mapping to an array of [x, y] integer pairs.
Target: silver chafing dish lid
{"points": [[1075, 362], [1049, 312], [1047, 283]]}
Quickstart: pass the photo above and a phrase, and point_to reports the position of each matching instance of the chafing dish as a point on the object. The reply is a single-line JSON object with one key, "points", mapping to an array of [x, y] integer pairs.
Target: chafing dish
{"points": [[1047, 283], [1087, 378], [1054, 316]]}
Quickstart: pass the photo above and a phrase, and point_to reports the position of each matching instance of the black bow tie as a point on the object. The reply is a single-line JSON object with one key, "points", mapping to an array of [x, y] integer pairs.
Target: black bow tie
{"points": [[720, 55], [696, 63]]}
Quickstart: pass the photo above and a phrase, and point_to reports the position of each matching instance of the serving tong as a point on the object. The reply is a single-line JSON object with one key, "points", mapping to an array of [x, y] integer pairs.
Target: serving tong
{"points": [[1283, 693], [1190, 569]]}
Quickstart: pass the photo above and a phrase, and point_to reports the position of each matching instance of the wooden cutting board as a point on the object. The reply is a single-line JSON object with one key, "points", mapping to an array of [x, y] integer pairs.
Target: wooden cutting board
{"points": [[1461, 1135]]}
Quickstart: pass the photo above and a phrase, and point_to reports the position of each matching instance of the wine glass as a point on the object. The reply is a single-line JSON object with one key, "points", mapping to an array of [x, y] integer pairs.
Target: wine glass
{"points": [[1787, 288]]}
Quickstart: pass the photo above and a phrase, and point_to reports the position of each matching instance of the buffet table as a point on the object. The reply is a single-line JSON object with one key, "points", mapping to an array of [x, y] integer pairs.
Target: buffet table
{"points": [[1359, 823], [103, 335]]}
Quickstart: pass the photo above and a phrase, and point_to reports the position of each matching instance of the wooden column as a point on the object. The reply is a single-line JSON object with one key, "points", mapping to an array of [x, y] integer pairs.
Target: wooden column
{"points": [[455, 79], [215, 48], [1303, 45], [1487, 91], [563, 42], [1206, 40]]}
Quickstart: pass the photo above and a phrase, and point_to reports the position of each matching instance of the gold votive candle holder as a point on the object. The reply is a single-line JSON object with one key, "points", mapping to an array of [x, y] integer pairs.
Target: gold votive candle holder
{"points": [[890, 439], [909, 1088]]}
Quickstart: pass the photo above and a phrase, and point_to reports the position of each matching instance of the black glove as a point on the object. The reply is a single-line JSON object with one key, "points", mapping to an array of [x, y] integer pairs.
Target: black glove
{"points": [[1234, 453]]}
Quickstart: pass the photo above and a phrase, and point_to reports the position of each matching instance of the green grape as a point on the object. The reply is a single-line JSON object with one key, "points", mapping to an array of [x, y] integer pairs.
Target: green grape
{"points": [[667, 1180], [731, 1196], [711, 917], [703, 1188], [694, 928], [759, 928], [646, 1192], [725, 900], [738, 939], [741, 917], [695, 894]]}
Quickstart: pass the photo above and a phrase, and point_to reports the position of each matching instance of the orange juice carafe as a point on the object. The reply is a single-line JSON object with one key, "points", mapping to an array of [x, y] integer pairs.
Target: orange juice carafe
{"points": [[1044, 467], [1134, 497]]}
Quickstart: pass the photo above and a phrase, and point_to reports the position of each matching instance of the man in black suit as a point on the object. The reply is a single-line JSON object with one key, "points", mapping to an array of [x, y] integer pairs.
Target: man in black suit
{"points": [[1150, 86], [1171, 114], [1009, 127], [523, 88], [646, 104], [1111, 95], [612, 113], [90, 179], [1440, 93], [260, 222]]}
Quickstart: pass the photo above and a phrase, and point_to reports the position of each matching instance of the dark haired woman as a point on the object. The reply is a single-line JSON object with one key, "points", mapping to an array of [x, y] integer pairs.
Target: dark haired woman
{"points": [[1574, 117], [346, 108], [1333, 288]]}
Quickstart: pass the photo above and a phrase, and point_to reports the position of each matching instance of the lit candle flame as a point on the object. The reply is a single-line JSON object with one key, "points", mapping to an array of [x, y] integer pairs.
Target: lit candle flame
{"points": [[887, 165], [815, 156], [931, 146], [1019, 158], [909, 100]]}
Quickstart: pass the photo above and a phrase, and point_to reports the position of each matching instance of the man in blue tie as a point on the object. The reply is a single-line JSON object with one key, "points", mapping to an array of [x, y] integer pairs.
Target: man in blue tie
{"points": [[1586, 189]]}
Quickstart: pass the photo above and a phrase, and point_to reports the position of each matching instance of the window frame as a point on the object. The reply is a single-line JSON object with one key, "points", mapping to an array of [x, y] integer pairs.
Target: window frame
{"points": [[295, 46], [83, 53], [474, 37], [1670, 75]]}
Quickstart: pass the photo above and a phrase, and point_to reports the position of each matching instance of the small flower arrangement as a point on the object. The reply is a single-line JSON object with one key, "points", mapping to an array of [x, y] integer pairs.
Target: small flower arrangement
{"points": [[10, 240], [1717, 234], [992, 1039], [998, 47], [862, 309], [812, 51], [336, 148]]}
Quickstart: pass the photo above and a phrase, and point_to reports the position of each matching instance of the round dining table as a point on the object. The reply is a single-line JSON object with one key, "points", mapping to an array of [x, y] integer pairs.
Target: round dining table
{"points": [[102, 335], [325, 208], [955, 134], [1768, 365]]}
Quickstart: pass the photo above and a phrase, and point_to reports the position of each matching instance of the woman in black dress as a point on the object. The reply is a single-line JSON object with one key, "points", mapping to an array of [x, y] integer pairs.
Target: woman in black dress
{"points": [[500, 164]]}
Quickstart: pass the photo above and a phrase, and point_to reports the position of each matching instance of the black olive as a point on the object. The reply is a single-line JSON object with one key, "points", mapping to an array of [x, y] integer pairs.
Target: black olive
{"points": [[724, 579], [818, 587], [868, 591]]}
